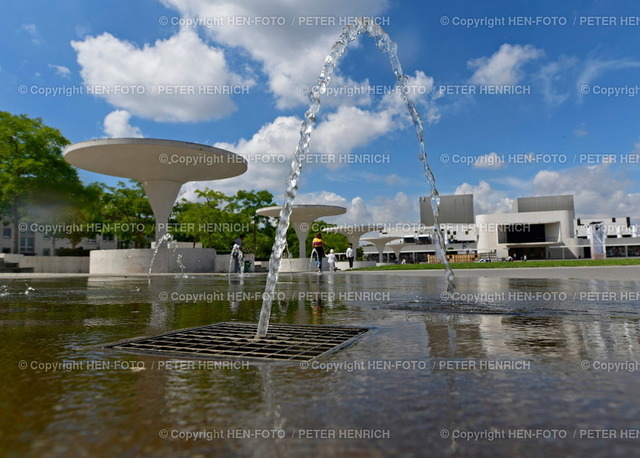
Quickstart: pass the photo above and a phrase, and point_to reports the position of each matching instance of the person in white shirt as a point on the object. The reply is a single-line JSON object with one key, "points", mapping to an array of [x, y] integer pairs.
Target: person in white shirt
{"points": [[331, 260], [351, 254]]}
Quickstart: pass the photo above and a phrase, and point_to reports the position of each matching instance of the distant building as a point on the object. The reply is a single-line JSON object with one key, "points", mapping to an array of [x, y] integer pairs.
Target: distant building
{"points": [[456, 220], [33, 241], [538, 227], [546, 228], [453, 209], [543, 204]]}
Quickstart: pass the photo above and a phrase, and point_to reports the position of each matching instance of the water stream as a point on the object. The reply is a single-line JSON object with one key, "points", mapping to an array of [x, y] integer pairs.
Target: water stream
{"points": [[384, 44], [237, 252], [181, 265], [164, 239]]}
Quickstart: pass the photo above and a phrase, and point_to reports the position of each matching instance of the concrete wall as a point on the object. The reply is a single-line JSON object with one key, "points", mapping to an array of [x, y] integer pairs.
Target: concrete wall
{"points": [[543, 204], [222, 262], [51, 264], [137, 261], [57, 264], [305, 265], [344, 265]]}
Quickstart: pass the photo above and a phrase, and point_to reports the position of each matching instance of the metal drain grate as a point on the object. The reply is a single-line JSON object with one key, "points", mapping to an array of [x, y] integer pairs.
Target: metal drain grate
{"points": [[284, 342]]}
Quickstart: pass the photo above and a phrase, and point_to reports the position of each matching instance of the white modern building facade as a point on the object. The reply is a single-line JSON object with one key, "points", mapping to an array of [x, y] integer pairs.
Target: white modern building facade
{"points": [[546, 228], [538, 228], [543, 227]]}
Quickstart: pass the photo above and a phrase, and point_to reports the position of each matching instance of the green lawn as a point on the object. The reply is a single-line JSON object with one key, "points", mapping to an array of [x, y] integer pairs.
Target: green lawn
{"points": [[514, 265]]}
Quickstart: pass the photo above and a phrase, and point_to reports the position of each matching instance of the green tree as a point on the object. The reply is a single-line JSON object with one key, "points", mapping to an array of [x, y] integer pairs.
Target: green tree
{"points": [[261, 234], [128, 214], [204, 221], [81, 219], [84, 217], [33, 172], [216, 219]]}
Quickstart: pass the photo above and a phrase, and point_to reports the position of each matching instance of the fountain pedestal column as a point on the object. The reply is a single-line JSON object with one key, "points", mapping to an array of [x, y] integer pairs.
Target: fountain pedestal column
{"points": [[162, 195]]}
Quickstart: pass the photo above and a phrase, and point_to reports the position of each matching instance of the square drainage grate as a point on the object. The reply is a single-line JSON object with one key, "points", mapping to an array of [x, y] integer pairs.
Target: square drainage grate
{"points": [[284, 342]]}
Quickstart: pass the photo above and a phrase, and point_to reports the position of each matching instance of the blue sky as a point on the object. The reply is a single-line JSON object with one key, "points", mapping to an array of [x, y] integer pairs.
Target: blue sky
{"points": [[570, 125]]}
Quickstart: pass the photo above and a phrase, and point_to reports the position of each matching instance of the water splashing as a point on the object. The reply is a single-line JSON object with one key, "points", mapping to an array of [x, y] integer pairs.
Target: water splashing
{"points": [[181, 265], [166, 238], [235, 260], [384, 44], [288, 256], [313, 263]]}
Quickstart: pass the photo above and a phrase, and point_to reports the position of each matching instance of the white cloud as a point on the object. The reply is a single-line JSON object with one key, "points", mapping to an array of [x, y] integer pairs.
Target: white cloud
{"points": [[594, 68], [347, 129], [290, 55], [486, 199], [420, 90], [562, 79], [138, 78], [116, 125], [492, 161], [392, 179], [82, 30], [380, 210], [321, 198], [268, 153], [581, 130], [270, 150], [33, 33], [61, 70], [598, 190], [556, 80], [504, 67]]}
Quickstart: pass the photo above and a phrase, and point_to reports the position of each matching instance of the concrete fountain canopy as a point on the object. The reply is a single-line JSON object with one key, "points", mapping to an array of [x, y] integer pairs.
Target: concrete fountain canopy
{"points": [[153, 159], [162, 166]]}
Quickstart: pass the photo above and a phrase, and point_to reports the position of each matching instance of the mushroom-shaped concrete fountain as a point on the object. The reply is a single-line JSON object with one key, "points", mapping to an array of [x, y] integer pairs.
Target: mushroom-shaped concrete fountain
{"points": [[380, 243], [162, 166], [302, 218]]}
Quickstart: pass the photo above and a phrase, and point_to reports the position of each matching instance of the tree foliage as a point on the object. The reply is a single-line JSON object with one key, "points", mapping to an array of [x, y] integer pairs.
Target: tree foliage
{"points": [[35, 180], [37, 184], [127, 214], [216, 219]]}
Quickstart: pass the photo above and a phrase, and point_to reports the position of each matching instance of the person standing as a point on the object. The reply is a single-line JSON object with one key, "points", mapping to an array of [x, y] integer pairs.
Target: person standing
{"points": [[331, 260], [351, 254], [317, 246], [237, 255]]}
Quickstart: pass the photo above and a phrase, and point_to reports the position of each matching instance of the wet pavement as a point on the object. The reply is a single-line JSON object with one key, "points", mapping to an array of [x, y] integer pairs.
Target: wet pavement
{"points": [[514, 366]]}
